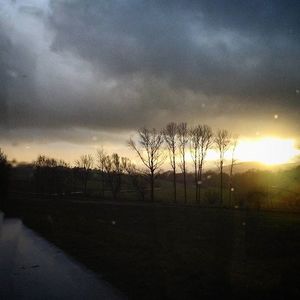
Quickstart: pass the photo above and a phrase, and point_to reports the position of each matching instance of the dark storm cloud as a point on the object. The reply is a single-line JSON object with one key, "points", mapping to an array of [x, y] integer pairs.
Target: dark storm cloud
{"points": [[216, 47], [17, 94], [122, 64], [4, 48]]}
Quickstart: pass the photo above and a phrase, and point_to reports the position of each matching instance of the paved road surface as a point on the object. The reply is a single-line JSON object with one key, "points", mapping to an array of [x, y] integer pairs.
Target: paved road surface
{"points": [[32, 268]]}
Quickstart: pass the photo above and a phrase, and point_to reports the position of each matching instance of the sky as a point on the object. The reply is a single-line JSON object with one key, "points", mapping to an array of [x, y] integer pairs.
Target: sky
{"points": [[75, 75]]}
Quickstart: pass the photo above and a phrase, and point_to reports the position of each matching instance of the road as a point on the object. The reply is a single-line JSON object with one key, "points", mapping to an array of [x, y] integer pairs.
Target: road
{"points": [[32, 268]]}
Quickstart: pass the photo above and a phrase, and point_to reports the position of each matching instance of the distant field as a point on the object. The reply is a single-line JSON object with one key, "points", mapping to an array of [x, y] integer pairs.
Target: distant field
{"points": [[164, 252]]}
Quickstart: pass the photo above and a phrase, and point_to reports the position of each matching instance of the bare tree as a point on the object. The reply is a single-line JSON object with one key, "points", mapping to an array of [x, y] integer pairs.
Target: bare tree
{"points": [[125, 163], [114, 169], [183, 139], [101, 156], [51, 175], [150, 152], [206, 141], [137, 178], [170, 137], [201, 139], [195, 135], [233, 145], [85, 164], [222, 143]]}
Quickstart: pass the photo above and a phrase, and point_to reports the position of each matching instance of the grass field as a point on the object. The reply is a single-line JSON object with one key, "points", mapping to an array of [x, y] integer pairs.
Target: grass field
{"points": [[166, 252]]}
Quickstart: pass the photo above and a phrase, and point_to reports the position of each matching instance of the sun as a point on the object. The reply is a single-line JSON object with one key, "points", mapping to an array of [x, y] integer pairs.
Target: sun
{"points": [[267, 150]]}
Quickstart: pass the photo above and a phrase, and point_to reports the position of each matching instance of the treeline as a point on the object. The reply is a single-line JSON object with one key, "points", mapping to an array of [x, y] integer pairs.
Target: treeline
{"points": [[180, 140], [253, 189], [106, 173], [154, 148], [4, 177], [181, 147]]}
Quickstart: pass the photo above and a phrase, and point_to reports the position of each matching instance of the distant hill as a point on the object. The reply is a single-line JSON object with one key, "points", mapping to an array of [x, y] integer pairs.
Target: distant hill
{"points": [[245, 166], [238, 168]]}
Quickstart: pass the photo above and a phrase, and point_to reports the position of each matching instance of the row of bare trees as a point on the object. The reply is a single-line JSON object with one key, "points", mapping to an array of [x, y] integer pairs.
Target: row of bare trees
{"points": [[178, 139], [178, 142], [116, 174], [111, 169], [52, 176]]}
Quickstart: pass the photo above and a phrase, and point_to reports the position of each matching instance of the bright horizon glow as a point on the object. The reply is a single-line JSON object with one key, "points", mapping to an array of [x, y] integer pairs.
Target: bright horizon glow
{"points": [[266, 150]]}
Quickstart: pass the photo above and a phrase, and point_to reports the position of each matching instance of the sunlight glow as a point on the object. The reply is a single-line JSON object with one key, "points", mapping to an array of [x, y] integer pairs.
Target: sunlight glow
{"points": [[268, 150]]}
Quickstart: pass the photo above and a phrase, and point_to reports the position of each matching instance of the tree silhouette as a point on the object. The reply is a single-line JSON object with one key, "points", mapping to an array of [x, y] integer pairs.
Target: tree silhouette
{"points": [[137, 178], [4, 176], [183, 139], [233, 145], [51, 175], [84, 165], [114, 168], [195, 136], [206, 141], [149, 150], [101, 156], [201, 139], [170, 137], [222, 143]]}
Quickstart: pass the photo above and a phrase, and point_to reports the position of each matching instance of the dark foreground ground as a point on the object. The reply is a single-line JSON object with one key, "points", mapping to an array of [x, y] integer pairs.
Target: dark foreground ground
{"points": [[165, 252]]}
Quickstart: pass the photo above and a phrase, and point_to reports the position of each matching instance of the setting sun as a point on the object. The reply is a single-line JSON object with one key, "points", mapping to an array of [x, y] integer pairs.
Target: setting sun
{"points": [[268, 150]]}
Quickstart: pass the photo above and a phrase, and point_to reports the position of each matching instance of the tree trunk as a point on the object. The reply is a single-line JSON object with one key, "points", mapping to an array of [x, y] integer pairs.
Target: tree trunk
{"points": [[103, 182], [196, 182], [152, 186], [230, 184], [184, 175], [221, 184], [174, 175], [200, 179], [230, 193], [184, 183], [174, 185]]}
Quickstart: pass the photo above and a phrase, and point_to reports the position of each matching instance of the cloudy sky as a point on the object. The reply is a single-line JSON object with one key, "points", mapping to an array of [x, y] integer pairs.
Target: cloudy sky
{"points": [[76, 74]]}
